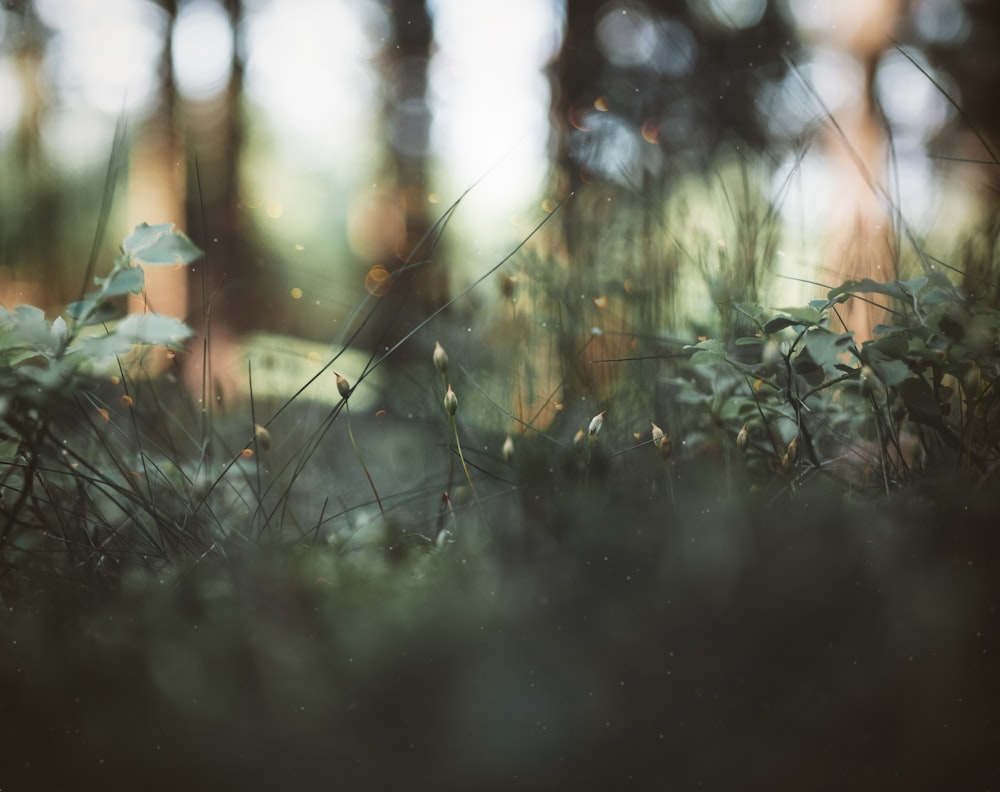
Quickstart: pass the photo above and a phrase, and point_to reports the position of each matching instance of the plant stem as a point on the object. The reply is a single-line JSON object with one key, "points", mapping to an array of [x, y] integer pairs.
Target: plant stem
{"points": [[357, 453], [461, 457]]}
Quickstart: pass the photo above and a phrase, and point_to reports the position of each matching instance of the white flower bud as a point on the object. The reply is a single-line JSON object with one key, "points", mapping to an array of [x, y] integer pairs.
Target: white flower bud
{"points": [[595, 424], [440, 358], [450, 402], [508, 450]]}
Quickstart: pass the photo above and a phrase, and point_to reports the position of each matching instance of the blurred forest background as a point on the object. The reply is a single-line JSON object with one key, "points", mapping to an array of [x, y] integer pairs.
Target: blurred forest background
{"points": [[180, 608], [307, 145]]}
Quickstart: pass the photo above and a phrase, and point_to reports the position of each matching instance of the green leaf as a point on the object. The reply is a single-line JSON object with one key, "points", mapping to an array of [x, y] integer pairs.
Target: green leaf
{"points": [[84, 311], [891, 372], [709, 352], [123, 281], [796, 316], [146, 329], [105, 346], [160, 245], [869, 286], [143, 236], [914, 285], [154, 329], [826, 347], [174, 249], [25, 326], [805, 365], [713, 345], [779, 323]]}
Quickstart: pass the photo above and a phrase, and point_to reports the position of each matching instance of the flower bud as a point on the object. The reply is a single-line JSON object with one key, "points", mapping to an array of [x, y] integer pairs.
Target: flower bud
{"points": [[450, 402], [343, 386], [595, 425], [440, 358], [657, 434], [664, 444], [743, 438], [508, 450]]}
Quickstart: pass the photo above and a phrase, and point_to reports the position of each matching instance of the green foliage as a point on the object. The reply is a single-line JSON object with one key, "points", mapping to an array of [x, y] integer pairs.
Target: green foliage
{"points": [[43, 366], [923, 389], [241, 595]]}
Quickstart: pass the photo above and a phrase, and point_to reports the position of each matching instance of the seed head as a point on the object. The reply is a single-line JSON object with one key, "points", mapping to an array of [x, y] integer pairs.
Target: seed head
{"points": [[450, 402], [743, 438], [440, 358], [343, 386]]}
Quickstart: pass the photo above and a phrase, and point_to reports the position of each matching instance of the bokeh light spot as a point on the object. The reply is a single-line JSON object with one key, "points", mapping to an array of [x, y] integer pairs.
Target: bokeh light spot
{"points": [[730, 14], [378, 281], [202, 49]]}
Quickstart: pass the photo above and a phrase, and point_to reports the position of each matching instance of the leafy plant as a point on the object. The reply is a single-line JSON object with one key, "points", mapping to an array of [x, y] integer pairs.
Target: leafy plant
{"points": [[923, 389], [43, 364]]}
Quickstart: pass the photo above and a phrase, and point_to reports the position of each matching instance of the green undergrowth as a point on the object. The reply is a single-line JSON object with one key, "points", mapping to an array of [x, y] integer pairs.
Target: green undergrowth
{"points": [[759, 548]]}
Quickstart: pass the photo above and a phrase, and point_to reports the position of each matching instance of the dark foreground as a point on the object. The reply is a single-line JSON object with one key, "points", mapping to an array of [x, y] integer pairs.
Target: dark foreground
{"points": [[817, 643]]}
